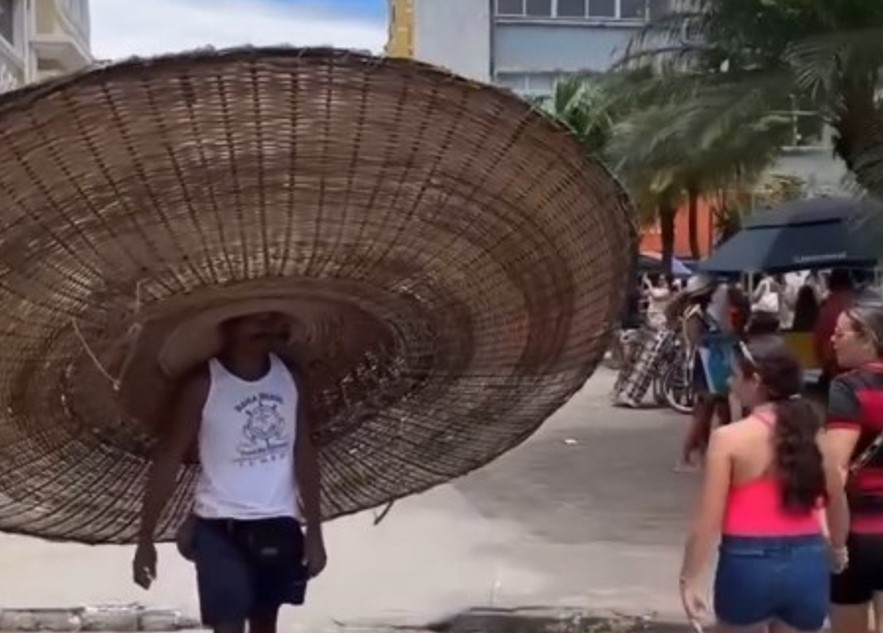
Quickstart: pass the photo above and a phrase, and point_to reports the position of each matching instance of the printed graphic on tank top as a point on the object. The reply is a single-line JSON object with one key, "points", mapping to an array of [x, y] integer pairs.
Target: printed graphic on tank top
{"points": [[856, 402], [246, 445]]}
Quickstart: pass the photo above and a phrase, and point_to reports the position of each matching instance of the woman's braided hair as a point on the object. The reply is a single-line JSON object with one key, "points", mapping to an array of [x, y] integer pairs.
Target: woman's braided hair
{"points": [[798, 459]]}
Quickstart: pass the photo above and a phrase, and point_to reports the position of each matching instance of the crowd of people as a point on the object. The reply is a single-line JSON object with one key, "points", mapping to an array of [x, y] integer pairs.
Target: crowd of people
{"points": [[661, 310], [793, 489]]}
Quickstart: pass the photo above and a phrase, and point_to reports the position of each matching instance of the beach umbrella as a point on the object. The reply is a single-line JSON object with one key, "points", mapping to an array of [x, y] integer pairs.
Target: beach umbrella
{"points": [[651, 263], [801, 235]]}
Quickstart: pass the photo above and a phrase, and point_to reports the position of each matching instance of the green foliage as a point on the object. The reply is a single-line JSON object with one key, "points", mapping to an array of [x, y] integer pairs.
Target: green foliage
{"points": [[727, 222], [745, 59], [661, 151]]}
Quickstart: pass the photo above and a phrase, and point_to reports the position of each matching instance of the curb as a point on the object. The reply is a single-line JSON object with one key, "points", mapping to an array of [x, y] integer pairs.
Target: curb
{"points": [[553, 620], [116, 618]]}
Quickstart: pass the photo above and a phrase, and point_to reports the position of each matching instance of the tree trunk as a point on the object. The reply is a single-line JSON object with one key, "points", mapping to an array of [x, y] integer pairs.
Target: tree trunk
{"points": [[860, 137], [693, 221], [667, 211]]}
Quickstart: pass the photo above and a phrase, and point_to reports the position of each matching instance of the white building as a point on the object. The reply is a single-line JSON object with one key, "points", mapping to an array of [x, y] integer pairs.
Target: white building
{"points": [[521, 44], [527, 45], [41, 39]]}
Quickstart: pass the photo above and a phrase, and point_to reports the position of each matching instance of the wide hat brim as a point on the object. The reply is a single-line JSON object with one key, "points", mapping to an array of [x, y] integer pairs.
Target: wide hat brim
{"points": [[451, 259], [197, 339]]}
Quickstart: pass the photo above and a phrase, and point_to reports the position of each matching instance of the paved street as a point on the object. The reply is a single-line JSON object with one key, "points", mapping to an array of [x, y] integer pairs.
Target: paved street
{"points": [[588, 513]]}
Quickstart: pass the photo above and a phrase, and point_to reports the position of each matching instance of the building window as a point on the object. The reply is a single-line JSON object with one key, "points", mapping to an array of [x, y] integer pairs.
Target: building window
{"points": [[572, 8], [582, 9], [516, 82], [539, 8], [602, 8], [633, 9], [7, 20], [540, 85], [807, 129], [657, 8], [510, 7], [78, 13]]}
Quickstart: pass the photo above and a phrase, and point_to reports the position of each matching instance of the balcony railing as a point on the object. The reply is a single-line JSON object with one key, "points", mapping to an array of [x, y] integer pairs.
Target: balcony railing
{"points": [[61, 35]]}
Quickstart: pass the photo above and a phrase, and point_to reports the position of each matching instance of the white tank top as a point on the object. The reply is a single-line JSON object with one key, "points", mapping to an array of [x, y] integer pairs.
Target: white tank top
{"points": [[246, 446]]}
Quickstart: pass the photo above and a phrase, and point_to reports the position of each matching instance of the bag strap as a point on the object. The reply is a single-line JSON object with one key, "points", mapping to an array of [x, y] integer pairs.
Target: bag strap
{"points": [[866, 455], [871, 449]]}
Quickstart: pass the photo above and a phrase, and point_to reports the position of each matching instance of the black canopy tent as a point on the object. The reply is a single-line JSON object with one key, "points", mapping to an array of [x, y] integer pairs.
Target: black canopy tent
{"points": [[801, 235]]}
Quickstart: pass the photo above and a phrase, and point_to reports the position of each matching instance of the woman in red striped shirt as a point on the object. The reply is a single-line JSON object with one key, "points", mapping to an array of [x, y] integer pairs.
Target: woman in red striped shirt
{"points": [[854, 438]]}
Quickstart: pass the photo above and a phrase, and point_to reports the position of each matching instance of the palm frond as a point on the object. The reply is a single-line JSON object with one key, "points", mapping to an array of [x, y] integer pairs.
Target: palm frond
{"points": [[869, 163], [821, 62]]}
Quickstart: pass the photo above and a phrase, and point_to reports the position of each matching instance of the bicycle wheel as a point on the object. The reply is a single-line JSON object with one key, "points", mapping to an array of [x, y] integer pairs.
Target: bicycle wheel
{"points": [[659, 396], [678, 390]]}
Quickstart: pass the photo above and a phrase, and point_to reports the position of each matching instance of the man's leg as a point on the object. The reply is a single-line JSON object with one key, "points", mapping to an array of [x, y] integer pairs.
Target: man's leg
{"points": [[264, 622], [696, 440], [723, 411], [277, 585], [226, 592]]}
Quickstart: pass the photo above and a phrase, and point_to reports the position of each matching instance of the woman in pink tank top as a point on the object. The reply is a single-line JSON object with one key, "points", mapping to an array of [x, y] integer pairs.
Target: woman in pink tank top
{"points": [[765, 491]]}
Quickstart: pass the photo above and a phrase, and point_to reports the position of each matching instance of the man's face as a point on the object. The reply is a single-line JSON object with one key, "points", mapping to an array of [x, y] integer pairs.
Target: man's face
{"points": [[257, 332]]}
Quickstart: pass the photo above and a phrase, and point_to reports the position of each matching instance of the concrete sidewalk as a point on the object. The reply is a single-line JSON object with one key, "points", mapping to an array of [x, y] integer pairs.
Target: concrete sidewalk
{"points": [[588, 513]]}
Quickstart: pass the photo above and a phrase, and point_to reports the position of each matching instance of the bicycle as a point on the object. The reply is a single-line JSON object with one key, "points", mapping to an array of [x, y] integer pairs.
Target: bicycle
{"points": [[673, 386]]}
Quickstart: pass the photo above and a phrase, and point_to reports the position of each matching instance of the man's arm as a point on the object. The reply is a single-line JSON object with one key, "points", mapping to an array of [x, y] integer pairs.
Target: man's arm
{"points": [[185, 416], [309, 482], [308, 476]]}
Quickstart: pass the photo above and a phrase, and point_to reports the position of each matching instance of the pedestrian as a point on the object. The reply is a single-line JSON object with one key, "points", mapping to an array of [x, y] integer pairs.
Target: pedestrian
{"points": [[762, 324], [635, 379], [841, 295], [854, 438], [806, 310], [708, 343], [654, 340], [739, 309], [259, 479], [765, 487], [659, 296]]}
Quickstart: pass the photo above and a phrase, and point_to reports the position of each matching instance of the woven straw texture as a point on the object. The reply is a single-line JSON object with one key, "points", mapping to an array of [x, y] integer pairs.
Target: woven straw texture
{"points": [[457, 261]]}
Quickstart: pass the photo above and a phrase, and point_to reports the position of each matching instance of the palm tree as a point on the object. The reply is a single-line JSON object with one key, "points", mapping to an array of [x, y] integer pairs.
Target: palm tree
{"points": [[596, 111], [589, 109], [674, 157], [662, 156], [743, 59]]}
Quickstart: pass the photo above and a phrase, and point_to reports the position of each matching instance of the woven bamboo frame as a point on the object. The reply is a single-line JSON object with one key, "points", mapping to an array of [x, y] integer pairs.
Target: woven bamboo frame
{"points": [[462, 259]]}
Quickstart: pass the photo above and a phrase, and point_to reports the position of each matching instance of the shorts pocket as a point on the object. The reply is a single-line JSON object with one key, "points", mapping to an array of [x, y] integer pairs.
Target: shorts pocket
{"points": [[742, 594]]}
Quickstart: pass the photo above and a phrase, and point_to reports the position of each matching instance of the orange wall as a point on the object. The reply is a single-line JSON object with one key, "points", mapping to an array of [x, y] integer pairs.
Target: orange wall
{"points": [[651, 239]]}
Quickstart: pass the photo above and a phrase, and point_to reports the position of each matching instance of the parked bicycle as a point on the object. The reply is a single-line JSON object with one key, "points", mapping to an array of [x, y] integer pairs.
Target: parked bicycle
{"points": [[673, 386]]}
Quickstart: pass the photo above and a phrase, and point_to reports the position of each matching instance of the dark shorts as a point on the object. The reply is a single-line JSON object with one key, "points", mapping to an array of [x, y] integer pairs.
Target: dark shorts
{"points": [[761, 579], [233, 586], [864, 575], [700, 387]]}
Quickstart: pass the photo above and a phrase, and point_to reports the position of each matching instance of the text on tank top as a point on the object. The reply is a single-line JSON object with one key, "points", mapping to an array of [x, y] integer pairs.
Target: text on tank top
{"points": [[246, 445]]}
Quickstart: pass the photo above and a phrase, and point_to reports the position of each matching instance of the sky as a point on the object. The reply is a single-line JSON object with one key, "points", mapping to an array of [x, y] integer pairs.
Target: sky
{"points": [[122, 28]]}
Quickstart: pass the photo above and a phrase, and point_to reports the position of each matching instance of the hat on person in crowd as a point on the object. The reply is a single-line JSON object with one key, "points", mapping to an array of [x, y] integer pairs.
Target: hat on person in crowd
{"points": [[700, 284], [449, 261]]}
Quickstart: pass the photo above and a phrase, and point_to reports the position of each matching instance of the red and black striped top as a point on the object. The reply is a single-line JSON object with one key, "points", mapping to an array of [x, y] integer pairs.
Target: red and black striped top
{"points": [[856, 402]]}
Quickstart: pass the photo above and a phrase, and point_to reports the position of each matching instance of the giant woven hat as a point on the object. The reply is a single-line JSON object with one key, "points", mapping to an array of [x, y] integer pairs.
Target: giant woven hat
{"points": [[450, 259]]}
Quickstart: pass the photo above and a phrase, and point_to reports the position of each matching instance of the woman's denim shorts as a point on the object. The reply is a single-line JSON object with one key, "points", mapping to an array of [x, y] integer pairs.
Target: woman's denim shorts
{"points": [[760, 579]]}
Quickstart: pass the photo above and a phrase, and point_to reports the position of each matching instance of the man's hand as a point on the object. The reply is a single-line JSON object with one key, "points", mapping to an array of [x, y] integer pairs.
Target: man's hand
{"points": [[315, 557], [144, 565], [184, 415]]}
